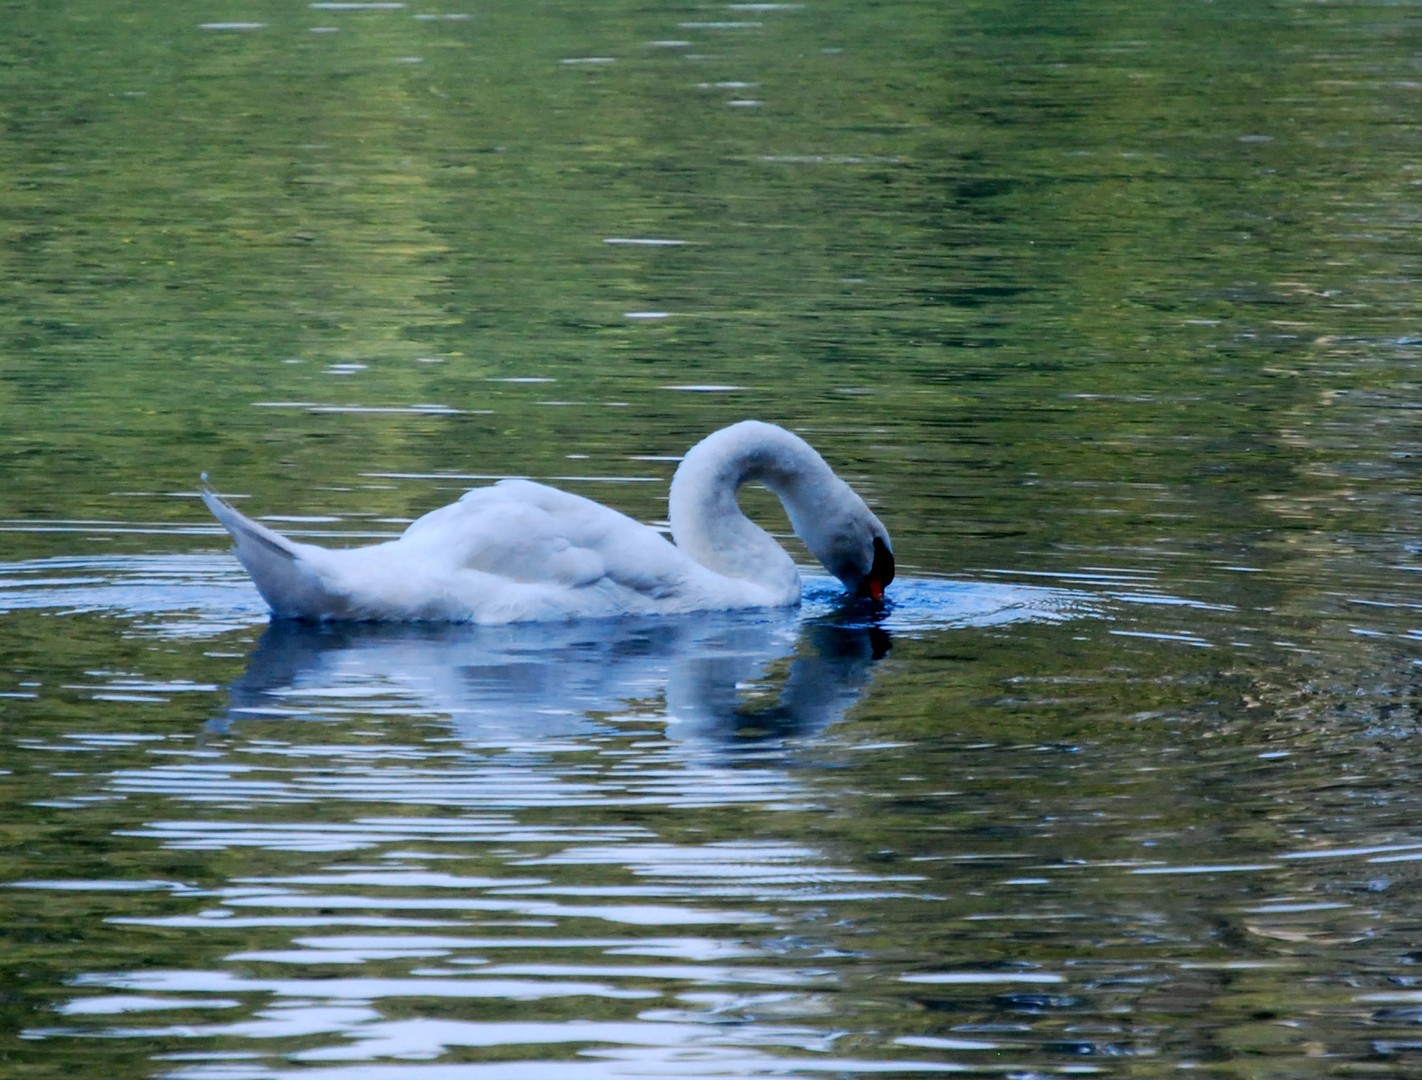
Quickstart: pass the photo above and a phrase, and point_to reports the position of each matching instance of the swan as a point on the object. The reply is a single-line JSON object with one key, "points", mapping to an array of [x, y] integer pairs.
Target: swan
{"points": [[520, 551]]}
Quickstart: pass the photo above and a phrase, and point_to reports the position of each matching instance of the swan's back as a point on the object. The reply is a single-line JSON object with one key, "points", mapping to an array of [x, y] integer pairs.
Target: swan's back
{"points": [[525, 532]]}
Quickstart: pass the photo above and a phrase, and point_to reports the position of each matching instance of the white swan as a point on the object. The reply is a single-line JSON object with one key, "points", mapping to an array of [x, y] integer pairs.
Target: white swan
{"points": [[520, 551]]}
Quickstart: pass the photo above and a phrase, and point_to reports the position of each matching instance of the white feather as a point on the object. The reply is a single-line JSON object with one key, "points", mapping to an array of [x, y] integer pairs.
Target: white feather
{"points": [[521, 551]]}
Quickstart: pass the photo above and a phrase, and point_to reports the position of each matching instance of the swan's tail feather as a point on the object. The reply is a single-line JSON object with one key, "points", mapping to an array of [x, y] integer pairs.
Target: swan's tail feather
{"points": [[244, 529], [277, 565]]}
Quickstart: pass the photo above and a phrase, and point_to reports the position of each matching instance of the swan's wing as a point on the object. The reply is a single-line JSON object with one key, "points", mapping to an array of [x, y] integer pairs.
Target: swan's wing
{"points": [[528, 533]]}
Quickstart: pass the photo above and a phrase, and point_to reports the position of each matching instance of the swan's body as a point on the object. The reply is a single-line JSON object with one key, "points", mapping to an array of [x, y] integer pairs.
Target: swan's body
{"points": [[520, 551]]}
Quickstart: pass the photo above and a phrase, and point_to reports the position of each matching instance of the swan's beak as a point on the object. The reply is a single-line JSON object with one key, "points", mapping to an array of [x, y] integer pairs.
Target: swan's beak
{"points": [[880, 574]]}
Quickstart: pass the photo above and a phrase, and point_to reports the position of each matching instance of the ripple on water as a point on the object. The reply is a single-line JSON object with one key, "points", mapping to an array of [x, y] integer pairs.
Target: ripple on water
{"points": [[414, 819], [209, 593]]}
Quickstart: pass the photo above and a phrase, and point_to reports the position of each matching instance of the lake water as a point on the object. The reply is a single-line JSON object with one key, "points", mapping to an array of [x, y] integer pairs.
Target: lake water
{"points": [[1109, 309]]}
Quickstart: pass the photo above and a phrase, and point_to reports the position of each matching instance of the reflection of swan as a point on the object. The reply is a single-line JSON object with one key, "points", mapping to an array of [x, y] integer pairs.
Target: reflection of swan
{"points": [[533, 681], [707, 694], [520, 551]]}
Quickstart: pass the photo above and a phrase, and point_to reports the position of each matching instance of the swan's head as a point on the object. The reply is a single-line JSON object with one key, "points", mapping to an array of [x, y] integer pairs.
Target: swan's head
{"points": [[868, 569], [881, 570], [853, 545]]}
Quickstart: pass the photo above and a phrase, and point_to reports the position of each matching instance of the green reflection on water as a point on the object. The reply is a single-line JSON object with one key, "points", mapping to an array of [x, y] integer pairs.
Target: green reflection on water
{"points": [[967, 247], [1120, 287]]}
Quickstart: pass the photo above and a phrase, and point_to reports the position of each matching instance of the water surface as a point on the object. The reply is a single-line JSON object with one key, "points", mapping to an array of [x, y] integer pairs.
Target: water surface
{"points": [[1109, 310]]}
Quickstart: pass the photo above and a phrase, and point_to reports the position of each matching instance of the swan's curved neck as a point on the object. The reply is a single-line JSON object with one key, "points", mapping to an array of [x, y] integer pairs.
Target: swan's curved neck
{"points": [[706, 521]]}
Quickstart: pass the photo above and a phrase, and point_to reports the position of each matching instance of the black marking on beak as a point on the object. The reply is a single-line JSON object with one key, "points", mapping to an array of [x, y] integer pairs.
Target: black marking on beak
{"points": [[881, 573]]}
